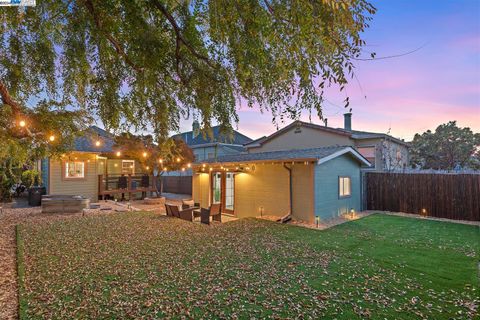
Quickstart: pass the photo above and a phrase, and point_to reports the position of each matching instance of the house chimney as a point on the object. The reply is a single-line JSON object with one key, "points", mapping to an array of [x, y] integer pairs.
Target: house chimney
{"points": [[195, 128], [347, 121]]}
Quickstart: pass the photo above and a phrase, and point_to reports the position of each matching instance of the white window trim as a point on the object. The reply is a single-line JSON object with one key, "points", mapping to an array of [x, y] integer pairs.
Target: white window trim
{"points": [[341, 193], [65, 173], [132, 164]]}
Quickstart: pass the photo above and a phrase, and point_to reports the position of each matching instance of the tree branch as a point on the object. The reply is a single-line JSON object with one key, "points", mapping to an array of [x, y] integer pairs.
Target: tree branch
{"points": [[7, 98], [176, 29], [110, 38]]}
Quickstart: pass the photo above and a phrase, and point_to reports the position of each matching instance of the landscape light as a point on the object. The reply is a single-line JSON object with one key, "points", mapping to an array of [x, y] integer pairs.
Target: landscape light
{"points": [[118, 153], [51, 138], [22, 123]]}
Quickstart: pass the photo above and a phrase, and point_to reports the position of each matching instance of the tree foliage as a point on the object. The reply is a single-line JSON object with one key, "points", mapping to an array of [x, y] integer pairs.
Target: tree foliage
{"points": [[168, 155], [447, 148], [147, 63]]}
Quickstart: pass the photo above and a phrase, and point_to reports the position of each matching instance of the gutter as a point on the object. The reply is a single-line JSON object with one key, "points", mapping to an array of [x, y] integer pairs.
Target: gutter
{"points": [[291, 187]]}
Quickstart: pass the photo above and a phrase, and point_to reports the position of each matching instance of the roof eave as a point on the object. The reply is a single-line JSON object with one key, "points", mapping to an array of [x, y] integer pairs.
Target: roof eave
{"points": [[199, 164]]}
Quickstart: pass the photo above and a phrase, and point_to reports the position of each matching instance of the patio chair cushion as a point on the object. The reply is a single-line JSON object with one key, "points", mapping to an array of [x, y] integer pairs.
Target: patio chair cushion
{"points": [[189, 203]]}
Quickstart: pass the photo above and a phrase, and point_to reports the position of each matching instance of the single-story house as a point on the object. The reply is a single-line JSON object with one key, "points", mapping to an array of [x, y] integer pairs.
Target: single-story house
{"points": [[91, 169], [307, 183]]}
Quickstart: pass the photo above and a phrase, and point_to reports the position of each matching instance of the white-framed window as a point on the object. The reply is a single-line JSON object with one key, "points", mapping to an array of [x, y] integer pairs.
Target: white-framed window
{"points": [[128, 166], [344, 187], [74, 169]]}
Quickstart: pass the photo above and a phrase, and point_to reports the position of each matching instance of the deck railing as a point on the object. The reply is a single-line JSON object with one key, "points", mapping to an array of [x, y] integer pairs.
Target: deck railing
{"points": [[126, 184]]}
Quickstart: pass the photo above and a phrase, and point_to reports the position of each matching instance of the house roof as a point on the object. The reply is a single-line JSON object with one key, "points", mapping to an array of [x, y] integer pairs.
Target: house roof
{"points": [[354, 134], [262, 140], [86, 142], [361, 135], [218, 137], [314, 154]]}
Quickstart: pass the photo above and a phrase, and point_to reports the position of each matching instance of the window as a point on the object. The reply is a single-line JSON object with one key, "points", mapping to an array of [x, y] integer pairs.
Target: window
{"points": [[128, 166], [210, 155], [74, 169], [344, 187]]}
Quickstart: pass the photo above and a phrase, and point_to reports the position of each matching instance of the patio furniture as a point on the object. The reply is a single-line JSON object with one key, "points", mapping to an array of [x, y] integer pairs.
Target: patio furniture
{"points": [[168, 210], [216, 212], [186, 214], [205, 216]]}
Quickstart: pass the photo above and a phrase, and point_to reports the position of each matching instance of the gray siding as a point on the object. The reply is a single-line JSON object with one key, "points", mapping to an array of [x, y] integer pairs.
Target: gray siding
{"points": [[203, 153], [327, 202]]}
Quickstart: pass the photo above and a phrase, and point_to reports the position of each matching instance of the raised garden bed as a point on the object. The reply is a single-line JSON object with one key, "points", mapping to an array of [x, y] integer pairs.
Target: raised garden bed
{"points": [[64, 203]]}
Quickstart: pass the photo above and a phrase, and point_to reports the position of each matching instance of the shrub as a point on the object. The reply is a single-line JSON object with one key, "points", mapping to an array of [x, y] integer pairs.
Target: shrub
{"points": [[30, 178]]}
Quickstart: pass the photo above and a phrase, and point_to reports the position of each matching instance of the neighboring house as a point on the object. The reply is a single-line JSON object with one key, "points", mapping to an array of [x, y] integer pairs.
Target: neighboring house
{"points": [[79, 171], [383, 151], [211, 146], [214, 145]]}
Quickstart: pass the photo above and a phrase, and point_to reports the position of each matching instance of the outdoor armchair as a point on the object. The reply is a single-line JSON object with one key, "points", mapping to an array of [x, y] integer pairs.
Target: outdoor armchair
{"points": [[186, 214]]}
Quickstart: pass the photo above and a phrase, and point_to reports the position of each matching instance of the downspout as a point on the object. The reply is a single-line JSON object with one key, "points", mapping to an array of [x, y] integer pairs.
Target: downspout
{"points": [[290, 186]]}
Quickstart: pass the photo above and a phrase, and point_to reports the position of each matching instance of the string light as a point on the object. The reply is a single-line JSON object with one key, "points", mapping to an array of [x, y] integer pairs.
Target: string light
{"points": [[51, 138], [178, 159], [165, 169], [118, 153], [147, 167], [144, 154], [22, 123], [189, 165], [97, 143], [203, 165], [160, 160], [210, 169], [183, 169]]}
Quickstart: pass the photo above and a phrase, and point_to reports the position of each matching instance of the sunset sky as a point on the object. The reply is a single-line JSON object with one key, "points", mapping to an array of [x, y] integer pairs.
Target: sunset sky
{"points": [[438, 83]]}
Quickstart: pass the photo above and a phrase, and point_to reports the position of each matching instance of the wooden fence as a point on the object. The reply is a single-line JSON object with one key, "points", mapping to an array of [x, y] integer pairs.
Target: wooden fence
{"points": [[452, 196], [177, 184]]}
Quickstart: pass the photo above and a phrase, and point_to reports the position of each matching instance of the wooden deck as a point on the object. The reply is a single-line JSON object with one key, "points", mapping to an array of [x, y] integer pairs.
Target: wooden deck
{"points": [[109, 185]]}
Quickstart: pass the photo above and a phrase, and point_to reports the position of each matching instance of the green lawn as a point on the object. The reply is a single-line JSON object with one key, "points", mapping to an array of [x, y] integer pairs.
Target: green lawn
{"points": [[138, 265]]}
